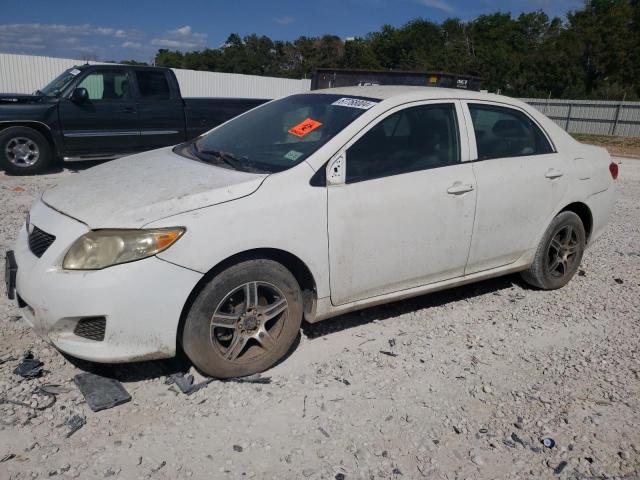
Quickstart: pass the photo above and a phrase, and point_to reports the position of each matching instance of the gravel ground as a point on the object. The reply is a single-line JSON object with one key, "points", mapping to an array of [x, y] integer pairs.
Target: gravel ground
{"points": [[479, 376]]}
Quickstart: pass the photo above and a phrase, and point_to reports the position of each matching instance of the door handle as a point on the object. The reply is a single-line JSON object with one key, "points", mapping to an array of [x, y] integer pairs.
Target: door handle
{"points": [[459, 189], [553, 173], [128, 110]]}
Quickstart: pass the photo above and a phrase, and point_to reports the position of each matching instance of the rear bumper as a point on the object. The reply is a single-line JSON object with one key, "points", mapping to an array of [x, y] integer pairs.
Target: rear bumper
{"points": [[141, 301]]}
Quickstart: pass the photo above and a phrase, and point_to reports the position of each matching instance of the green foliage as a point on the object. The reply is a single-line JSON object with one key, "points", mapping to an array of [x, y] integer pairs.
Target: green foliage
{"points": [[593, 53]]}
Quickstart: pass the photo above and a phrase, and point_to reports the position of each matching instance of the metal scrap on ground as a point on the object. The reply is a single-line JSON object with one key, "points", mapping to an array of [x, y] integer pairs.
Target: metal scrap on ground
{"points": [[101, 392]]}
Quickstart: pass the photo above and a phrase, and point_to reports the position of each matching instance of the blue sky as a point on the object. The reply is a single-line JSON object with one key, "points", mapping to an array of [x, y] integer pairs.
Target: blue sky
{"points": [[118, 30]]}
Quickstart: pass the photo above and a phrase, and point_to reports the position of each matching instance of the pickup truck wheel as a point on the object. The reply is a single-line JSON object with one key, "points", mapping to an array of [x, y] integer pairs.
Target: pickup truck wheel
{"points": [[23, 151], [559, 253], [244, 320]]}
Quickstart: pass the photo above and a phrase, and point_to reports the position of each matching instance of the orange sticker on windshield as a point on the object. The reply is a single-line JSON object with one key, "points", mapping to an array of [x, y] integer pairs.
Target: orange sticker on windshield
{"points": [[304, 127]]}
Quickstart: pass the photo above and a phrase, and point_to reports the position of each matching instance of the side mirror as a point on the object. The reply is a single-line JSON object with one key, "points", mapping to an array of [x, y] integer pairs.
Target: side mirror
{"points": [[80, 95], [336, 170]]}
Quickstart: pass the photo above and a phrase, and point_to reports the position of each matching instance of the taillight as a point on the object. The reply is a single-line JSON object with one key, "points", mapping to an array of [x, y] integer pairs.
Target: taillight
{"points": [[613, 169]]}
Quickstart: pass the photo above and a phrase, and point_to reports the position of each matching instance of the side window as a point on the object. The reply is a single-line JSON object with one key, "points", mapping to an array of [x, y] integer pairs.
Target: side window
{"points": [[505, 132], [416, 138], [153, 85], [107, 85]]}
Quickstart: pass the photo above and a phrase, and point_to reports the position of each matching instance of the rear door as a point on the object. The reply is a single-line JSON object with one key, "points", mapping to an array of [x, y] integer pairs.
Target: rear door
{"points": [[108, 122], [521, 180], [160, 109], [403, 217]]}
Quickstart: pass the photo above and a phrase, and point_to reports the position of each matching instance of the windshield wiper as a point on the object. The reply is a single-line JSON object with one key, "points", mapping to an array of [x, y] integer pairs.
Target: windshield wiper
{"points": [[243, 165]]}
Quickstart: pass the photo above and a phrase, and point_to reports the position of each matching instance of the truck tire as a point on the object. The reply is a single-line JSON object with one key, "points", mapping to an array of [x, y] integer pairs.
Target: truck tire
{"points": [[24, 151], [559, 253], [244, 320]]}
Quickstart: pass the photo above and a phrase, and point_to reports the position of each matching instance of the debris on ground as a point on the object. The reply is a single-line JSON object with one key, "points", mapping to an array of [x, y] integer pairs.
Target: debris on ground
{"points": [[29, 366], [390, 354], [101, 392], [255, 378], [7, 457], [75, 423], [237, 448], [549, 442], [185, 383]]}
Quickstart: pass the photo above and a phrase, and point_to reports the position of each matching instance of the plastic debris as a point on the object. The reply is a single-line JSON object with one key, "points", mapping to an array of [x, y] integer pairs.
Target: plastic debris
{"points": [[619, 281], [324, 432], [29, 366], [237, 448], [101, 392], [7, 457], [75, 423], [549, 442], [558, 470], [255, 378], [185, 383], [390, 354], [342, 380]]}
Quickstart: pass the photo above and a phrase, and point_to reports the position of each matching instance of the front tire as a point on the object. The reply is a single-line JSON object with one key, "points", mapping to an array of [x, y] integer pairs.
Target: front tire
{"points": [[559, 253], [244, 320], [24, 151]]}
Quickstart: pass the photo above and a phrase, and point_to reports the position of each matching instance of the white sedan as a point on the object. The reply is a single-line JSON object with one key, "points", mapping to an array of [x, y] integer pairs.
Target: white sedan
{"points": [[306, 207]]}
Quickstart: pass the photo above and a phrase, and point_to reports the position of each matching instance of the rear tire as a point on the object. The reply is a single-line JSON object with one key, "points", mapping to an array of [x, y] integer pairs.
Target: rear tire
{"points": [[559, 253], [24, 151], [244, 320]]}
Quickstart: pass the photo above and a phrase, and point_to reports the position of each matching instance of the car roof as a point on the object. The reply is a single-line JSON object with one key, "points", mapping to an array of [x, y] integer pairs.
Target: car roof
{"points": [[413, 93]]}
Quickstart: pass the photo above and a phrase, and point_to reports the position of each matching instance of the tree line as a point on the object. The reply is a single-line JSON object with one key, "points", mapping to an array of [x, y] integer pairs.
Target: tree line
{"points": [[594, 53]]}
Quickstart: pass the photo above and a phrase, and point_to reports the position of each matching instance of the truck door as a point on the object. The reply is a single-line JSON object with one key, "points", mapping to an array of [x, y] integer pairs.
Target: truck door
{"points": [[107, 122], [160, 109]]}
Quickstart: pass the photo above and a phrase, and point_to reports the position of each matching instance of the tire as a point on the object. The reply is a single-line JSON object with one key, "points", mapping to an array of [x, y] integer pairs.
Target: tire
{"points": [[24, 151], [559, 253], [225, 336]]}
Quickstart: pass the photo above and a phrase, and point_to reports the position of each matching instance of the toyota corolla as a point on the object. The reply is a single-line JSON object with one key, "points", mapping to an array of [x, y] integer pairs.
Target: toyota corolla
{"points": [[306, 207]]}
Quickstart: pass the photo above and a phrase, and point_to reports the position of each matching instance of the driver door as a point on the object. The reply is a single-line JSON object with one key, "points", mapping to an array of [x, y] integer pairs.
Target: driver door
{"points": [[105, 124], [403, 215]]}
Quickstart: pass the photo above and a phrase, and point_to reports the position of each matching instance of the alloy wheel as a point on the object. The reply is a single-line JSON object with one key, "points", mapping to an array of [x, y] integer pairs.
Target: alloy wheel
{"points": [[563, 251], [22, 151]]}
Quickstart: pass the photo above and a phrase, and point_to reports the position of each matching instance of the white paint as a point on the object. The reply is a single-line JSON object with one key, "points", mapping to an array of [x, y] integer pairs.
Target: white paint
{"points": [[364, 243]]}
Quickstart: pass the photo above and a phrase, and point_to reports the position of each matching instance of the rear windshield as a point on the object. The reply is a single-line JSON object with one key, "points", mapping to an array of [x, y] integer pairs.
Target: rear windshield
{"points": [[280, 134]]}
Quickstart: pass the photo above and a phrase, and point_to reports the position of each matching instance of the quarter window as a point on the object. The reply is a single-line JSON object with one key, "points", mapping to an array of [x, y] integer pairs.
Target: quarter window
{"points": [[416, 138], [153, 85], [107, 85], [505, 132]]}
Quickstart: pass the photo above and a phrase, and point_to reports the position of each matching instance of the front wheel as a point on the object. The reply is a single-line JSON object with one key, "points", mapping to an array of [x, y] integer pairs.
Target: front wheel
{"points": [[24, 151], [244, 320], [559, 254]]}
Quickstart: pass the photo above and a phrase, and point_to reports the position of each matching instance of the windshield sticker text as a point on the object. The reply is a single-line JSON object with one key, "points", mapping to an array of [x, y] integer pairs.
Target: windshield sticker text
{"points": [[305, 127], [354, 103], [293, 155]]}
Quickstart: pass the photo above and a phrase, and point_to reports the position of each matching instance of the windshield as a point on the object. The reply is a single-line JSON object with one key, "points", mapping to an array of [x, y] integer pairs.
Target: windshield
{"points": [[280, 134], [58, 84]]}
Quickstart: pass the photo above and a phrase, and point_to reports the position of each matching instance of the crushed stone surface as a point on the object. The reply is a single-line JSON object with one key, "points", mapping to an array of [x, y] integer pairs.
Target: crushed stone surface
{"points": [[482, 375]]}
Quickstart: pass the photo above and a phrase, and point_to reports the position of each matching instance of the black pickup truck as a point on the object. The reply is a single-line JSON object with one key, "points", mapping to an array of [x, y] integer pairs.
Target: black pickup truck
{"points": [[103, 112]]}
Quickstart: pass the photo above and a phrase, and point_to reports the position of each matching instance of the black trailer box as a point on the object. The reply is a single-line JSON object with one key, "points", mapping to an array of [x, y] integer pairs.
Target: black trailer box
{"points": [[332, 78]]}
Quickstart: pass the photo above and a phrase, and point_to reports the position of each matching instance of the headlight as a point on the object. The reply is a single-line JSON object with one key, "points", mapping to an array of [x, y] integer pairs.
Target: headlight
{"points": [[104, 248]]}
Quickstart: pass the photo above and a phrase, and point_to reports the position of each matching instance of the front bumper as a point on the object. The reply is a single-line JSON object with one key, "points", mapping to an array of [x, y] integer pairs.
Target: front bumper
{"points": [[141, 301]]}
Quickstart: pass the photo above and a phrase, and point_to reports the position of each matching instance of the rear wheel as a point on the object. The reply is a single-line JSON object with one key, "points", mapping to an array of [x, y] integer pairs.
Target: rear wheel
{"points": [[559, 254], [24, 151], [244, 320]]}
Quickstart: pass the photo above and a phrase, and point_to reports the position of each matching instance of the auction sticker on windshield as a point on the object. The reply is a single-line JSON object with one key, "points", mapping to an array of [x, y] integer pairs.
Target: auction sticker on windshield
{"points": [[74, 72], [354, 103], [305, 127]]}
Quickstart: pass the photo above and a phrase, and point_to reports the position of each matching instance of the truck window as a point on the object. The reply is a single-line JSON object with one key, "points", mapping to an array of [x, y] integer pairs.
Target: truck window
{"points": [[107, 85], [153, 85]]}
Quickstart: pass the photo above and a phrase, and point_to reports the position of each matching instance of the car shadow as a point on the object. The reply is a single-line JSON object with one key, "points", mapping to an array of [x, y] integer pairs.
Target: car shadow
{"points": [[153, 369], [401, 307]]}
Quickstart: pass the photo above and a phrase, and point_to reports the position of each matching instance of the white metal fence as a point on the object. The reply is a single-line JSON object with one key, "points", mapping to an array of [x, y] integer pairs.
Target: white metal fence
{"points": [[592, 116], [27, 73]]}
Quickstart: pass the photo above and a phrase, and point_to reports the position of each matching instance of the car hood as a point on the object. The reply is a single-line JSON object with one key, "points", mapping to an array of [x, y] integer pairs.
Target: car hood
{"points": [[133, 191], [11, 98]]}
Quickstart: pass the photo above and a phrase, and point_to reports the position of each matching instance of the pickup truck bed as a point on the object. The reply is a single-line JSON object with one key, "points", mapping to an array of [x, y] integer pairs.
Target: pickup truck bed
{"points": [[103, 112]]}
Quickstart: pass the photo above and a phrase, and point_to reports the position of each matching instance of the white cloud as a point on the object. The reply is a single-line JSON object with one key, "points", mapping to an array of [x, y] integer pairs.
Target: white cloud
{"points": [[438, 4], [131, 45], [285, 20], [183, 38]]}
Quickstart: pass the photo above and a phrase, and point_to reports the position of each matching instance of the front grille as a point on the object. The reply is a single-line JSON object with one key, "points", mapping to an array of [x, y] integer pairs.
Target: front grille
{"points": [[91, 328], [39, 241]]}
